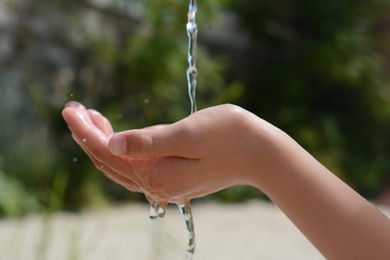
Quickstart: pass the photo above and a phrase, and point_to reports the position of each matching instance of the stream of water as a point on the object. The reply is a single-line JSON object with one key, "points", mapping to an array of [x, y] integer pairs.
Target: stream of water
{"points": [[155, 210], [192, 73]]}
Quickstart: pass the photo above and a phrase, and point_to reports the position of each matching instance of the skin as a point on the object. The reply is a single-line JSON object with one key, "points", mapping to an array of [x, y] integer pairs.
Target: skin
{"points": [[223, 146]]}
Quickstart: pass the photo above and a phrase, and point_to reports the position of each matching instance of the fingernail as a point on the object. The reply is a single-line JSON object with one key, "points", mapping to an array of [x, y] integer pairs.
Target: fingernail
{"points": [[74, 104], [117, 144]]}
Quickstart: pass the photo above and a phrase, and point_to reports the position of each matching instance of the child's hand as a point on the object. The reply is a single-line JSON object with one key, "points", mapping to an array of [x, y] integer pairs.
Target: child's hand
{"points": [[208, 151]]}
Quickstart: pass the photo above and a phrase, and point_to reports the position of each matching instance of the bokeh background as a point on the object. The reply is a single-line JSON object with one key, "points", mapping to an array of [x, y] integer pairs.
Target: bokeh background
{"points": [[317, 69]]}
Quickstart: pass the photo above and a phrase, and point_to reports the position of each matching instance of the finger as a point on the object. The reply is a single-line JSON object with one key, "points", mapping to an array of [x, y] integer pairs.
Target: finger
{"points": [[95, 141], [100, 122], [110, 173], [74, 104], [81, 126], [169, 140]]}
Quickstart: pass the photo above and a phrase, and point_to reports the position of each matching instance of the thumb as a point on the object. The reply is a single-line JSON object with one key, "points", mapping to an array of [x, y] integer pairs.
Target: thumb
{"points": [[159, 141]]}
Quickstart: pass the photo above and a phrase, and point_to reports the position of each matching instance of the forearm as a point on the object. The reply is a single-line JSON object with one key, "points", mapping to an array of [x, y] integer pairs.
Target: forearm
{"points": [[203, 153], [337, 220]]}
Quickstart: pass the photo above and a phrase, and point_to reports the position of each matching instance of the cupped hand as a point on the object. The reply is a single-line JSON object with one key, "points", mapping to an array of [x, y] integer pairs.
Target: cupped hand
{"points": [[208, 151]]}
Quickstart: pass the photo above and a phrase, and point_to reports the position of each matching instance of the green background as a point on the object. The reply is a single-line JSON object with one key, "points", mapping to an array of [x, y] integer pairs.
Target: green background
{"points": [[316, 69]]}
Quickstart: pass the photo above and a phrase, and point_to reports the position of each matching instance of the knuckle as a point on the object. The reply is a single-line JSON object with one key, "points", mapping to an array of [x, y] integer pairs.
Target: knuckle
{"points": [[140, 145]]}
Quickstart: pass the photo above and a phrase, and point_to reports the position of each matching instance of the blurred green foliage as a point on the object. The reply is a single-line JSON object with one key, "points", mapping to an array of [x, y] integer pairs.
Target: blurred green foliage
{"points": [[318, 70], [321, 75], [14, 200]]}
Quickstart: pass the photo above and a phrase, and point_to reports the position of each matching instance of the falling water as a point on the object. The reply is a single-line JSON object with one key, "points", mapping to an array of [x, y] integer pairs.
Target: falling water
{"points": [[156, 211], [186, 212], [192, 73]]}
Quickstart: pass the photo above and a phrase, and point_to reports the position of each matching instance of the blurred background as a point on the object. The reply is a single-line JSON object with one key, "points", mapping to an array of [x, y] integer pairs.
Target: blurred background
{"points": [[317, 69]]}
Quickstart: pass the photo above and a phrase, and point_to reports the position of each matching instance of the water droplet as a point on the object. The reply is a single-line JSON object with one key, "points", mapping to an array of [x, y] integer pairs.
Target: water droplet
{"points": [[161, 212], [154, 208], [75, 159], [146, 101], [84, 140], [71, 94]]}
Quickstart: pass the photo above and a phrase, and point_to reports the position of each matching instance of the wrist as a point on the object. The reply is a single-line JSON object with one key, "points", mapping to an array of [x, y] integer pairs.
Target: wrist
{"points": [[264, 152]]}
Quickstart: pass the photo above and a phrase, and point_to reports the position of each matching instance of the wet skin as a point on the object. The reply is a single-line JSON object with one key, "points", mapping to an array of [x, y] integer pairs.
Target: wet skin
{"points": [[223, 146]]}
